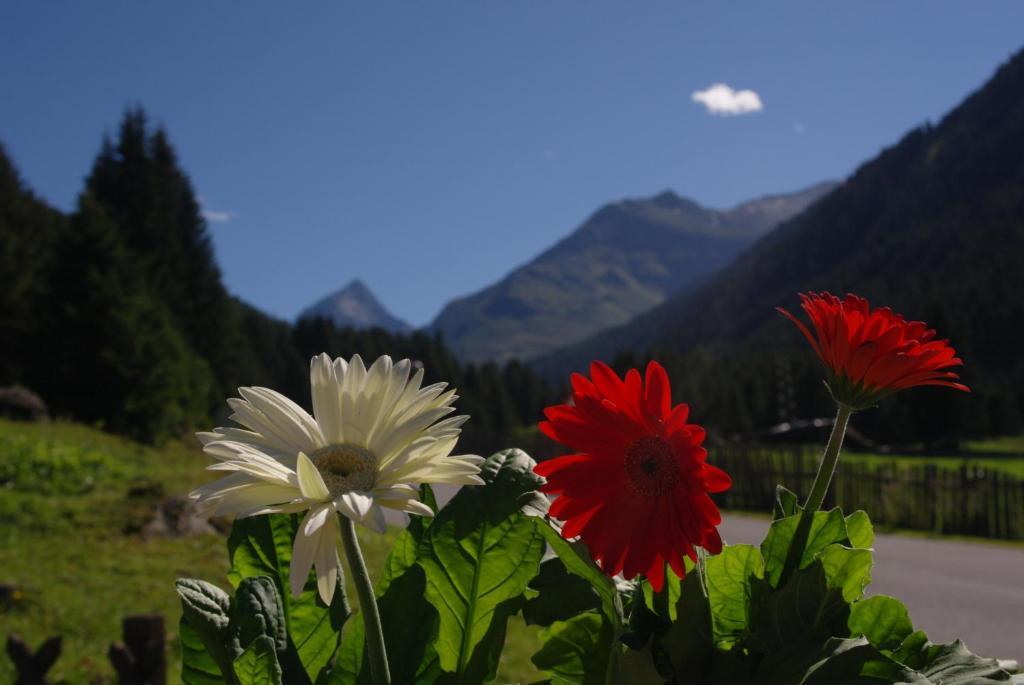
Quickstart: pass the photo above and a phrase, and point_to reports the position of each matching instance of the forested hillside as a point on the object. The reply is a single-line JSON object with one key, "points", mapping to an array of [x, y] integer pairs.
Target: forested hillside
{"points": [[933, 226], [117, 315]]}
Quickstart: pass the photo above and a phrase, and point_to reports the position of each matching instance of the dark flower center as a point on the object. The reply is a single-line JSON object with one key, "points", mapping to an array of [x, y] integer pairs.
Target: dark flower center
{"points": [[651, 466], [345, 468]]}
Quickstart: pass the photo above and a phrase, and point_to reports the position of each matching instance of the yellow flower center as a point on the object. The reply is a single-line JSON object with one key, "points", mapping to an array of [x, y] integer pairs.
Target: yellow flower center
{"points": [[651, 466], [345, 468]]}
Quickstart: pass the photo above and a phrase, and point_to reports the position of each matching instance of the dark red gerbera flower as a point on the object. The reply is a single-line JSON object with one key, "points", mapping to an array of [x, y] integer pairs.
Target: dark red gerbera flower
{"points": [[869, 354], [636, 490]]}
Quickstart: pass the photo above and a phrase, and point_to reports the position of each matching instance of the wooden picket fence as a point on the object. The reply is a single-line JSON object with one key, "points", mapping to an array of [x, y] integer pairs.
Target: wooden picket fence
{"points": [[969, 500], [141, 659]]}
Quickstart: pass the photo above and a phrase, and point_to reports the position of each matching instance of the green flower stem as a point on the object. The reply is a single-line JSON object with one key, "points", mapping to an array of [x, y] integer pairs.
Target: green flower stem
{"points": [[829, 460], [826, 469], [375, 649]]}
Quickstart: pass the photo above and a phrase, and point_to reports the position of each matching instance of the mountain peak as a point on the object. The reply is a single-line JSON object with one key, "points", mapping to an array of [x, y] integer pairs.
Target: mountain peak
{"points": [[355, 306], [626, 258]]}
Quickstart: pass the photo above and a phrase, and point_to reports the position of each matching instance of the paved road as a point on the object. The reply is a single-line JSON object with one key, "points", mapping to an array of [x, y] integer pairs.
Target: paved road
{"points": [[974, 591]]}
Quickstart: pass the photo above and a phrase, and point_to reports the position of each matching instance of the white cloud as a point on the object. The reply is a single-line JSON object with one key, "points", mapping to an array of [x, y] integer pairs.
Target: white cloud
{"points": [[218, 217], [214, 216], [723, 100]]}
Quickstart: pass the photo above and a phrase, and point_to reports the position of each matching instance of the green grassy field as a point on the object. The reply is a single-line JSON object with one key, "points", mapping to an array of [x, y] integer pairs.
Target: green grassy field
{"points": [[1011, 465], [69, 544]]}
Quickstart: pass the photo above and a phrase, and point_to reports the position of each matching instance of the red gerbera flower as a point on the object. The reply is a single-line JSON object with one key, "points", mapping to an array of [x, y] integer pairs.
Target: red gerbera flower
{"points": [[869, 354], [636, 491]]}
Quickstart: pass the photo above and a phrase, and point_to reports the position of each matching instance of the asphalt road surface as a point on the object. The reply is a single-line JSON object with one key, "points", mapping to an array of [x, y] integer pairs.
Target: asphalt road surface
{"points": [[968, 590]]}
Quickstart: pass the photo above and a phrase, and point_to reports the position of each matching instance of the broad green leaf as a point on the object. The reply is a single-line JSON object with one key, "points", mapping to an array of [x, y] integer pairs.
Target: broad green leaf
{"points": [[257, 665], [859, 530], [262, 546], [576, 651], [578, 562], [949, 664], [560, 595], [855, 662], [636, 667], [827, 527], [198, 666], [478, 556], [205, 608], [258, 612], [803, 612], [729, 576], [689, 643], [847, 569], [664, 603], [882, 620], [786, 503]]}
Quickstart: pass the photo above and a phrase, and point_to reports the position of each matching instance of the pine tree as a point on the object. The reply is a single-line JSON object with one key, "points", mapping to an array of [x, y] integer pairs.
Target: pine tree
{"points": [[28, 233], [150, 200], [115, 357]]}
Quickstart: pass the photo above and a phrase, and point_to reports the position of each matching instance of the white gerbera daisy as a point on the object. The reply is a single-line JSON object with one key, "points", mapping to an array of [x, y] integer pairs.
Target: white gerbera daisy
{"points": [[374, 435]]}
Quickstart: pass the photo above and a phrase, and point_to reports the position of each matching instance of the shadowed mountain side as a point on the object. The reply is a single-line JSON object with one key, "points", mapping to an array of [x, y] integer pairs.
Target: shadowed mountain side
{"points": [[355, 306], [933, 226], [625, 259]]}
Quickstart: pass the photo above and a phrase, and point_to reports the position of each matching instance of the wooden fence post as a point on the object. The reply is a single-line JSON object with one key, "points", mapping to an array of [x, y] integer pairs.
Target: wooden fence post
{"points": [[31, 667], [142, 658]]}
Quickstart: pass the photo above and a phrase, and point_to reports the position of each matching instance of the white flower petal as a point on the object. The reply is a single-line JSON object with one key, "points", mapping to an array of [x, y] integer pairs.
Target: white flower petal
{"points": [[354, 505], [303, 554], [311, 483], [375, 521], [326, 397], [318, 516], [326, 560]]}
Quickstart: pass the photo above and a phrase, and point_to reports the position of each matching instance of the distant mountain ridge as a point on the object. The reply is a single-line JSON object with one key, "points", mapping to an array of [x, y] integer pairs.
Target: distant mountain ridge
{"points": [[933, 226], [626, 258], [355, 306]]}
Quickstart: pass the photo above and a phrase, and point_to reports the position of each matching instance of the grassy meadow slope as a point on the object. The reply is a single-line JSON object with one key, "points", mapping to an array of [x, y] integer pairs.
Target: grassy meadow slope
{"points": [[73, 501]]}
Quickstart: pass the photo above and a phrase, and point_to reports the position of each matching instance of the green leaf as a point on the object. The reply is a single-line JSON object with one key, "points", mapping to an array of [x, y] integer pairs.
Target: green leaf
{"points": [[664, 603], [577, 561], [258, 613], [198, 666], [636, 667], [560, 595], [805, 611], [859, 530], [847, 569], [478, 556], [949, 664], [855, 662], [882, 620], [205, 608], [258, 665], [786, 503], [576, 651], [729, 576], [827, 527], [262, 546], [689, 642]]}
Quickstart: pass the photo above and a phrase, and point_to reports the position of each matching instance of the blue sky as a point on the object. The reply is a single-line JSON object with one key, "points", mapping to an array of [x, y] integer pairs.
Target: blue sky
{"points": [[430, 147]]}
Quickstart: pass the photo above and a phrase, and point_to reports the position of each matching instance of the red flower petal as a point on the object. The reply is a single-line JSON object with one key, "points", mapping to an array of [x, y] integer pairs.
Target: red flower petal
{"points": [[636, 491], [870, 353]]}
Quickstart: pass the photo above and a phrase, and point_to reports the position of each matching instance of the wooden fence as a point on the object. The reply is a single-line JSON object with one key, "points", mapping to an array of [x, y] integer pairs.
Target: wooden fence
{"points": [[140, 660], [969, 500]]}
